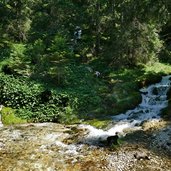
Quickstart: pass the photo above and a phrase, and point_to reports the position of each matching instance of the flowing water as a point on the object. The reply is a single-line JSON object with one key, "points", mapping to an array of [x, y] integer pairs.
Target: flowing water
{"points": [[56, 147], [154, 99]]}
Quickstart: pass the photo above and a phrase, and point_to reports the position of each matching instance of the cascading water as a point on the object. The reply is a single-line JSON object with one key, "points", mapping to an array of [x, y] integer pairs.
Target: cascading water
{"points": [[154, 99], [51, 146]]}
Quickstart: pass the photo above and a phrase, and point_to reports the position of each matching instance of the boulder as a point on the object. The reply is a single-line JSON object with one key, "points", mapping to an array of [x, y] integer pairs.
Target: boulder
{"points": [[112, 140]]}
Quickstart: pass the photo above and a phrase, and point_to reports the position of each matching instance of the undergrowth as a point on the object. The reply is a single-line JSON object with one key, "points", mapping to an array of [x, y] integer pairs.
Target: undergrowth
{"points": [[83, 96]]}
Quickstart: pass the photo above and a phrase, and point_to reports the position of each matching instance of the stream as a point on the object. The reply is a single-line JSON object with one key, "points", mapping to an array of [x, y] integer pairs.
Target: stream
{"points": [[56, 147], [154, 99]]}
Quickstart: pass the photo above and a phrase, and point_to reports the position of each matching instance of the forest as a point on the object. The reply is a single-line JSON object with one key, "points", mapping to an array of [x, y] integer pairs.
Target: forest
{"points": [[72, 61]]}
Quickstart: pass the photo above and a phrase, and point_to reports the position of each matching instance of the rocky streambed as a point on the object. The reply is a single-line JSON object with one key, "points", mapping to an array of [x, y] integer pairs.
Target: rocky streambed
{"points": [[55, 147], [146, 141]]}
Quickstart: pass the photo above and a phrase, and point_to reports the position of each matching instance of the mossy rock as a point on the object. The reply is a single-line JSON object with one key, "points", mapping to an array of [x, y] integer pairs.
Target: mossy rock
{"points": [[98, 123], [9, 118], [149, 79], [166, 113], [129, 102]]}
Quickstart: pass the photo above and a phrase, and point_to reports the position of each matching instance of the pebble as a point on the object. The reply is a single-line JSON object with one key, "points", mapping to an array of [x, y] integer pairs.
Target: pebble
{"points": [[129, 157]]}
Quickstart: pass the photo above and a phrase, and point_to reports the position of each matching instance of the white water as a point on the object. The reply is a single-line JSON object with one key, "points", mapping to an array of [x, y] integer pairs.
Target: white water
{"points": [[154, 99]]}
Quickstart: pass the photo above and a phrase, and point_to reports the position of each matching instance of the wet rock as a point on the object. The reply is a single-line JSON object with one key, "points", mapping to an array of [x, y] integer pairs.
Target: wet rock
{"points": [[143, 122], [112, 140], [153, 124], [42, 147], [2, 145], [141, 156], [137, 124], [155, 91], [168, 143], [144, 93]]}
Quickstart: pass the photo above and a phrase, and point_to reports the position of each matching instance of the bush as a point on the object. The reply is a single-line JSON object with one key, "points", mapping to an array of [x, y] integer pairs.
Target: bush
{"points": [[18, 93], [33, 101]]}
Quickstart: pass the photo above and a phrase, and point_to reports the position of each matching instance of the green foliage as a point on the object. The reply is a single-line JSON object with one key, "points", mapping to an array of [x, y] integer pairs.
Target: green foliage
{"points": [[118, 145], [16, 58], [36, 50], [16, 21], [33, 102], [18, 92], [86, 87], [165, 55], [39, 53], [9, 117], [17, 51], [4, 49], [61, 106], [58, 44]]}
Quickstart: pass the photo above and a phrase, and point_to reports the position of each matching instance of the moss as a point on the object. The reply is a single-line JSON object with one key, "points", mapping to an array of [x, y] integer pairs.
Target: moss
{"points": [[129, 102], [149, 78], [98, 123], [9, 117], [124, 96]]}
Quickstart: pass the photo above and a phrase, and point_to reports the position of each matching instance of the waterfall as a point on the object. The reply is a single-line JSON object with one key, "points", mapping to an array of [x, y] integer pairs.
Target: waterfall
{"points": [[154, 99]]}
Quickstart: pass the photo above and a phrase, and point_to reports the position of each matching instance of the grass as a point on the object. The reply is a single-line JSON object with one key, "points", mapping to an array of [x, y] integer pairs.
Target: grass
{"points": [[158, 68], [8, 117]]}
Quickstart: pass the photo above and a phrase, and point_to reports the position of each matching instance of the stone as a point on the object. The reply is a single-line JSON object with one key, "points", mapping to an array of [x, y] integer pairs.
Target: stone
{"points": [[141, 156], [112, 140], [168, 143]]}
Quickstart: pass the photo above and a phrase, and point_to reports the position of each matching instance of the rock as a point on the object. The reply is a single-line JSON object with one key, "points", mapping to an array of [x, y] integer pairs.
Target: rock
{"points": [[2, 145], [168, 143], [141, 156], [112, 140], [137, 124], [155, 91]]}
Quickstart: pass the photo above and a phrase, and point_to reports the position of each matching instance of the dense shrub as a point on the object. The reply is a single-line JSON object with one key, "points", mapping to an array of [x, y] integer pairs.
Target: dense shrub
{"points": [[35, 102], [18, 93], [32, 100]]}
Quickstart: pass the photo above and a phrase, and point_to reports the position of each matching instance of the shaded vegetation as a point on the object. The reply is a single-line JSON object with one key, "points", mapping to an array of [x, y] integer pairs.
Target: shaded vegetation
{"points": [[49, 71]]}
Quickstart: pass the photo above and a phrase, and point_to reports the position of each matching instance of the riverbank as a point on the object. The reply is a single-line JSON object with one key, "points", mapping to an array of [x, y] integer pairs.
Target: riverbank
{"points": [[91, 101], [144, 145], [46, 146], [124, 91]]}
